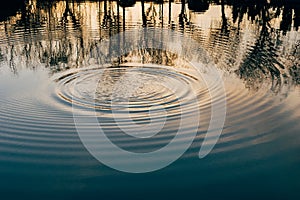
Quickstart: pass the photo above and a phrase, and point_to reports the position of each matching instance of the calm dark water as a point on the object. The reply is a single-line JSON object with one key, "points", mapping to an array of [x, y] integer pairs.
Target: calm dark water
{"points": [[52, 54]]}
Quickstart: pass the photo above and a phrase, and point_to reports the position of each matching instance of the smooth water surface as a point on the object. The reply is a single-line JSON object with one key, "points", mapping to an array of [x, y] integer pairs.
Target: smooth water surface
{"points": [[53, 53]]}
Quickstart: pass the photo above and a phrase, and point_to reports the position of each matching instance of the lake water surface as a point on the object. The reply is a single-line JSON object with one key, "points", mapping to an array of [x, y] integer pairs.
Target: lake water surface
{"points": [[58, 58]]}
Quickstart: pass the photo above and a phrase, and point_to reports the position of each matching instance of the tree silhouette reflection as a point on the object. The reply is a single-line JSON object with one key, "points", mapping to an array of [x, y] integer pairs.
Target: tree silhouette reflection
{"points": [[57, 34]]}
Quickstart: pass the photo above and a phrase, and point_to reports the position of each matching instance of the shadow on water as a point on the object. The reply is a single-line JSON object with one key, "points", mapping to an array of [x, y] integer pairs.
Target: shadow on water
{"points": [[58, 34]]}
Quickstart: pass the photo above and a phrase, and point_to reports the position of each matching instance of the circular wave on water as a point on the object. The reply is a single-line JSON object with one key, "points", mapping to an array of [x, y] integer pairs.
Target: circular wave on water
{"points": [[134, 99]]}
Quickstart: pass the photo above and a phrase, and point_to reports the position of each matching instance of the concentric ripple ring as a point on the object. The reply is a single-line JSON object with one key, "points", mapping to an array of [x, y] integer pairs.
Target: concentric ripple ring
{"points": [[96, 141]]}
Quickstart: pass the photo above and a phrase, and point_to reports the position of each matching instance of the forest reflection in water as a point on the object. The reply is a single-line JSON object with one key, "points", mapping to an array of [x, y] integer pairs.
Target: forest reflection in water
{"points": [[256, 40]]}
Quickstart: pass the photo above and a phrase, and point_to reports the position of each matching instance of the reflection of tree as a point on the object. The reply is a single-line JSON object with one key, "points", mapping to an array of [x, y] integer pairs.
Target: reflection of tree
{"points": [[57, 34], [198, 5], [294, 70], [127, 3], [254, 8], [224, 27], [224, 41], [69, 13], [261, 62], [287, 16], [151, 13], [182, 16], [12, 62], [10, 8], [143, 13]]}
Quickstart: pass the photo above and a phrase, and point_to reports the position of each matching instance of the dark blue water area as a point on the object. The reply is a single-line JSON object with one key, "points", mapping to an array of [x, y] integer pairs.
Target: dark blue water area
{"points": [[230, 175]]}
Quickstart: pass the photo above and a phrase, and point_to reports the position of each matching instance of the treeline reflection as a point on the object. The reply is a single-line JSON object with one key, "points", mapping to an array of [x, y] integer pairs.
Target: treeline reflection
{"points": [[256, 39]]}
